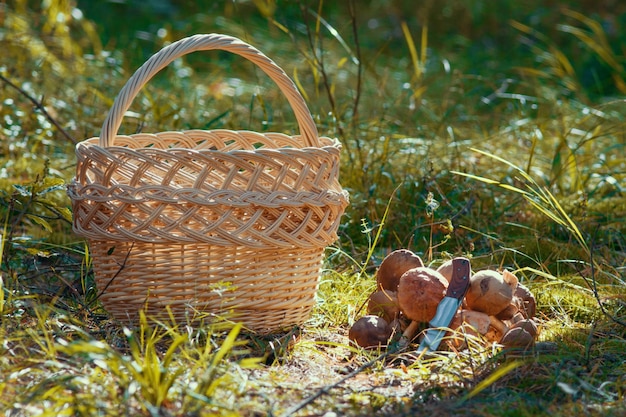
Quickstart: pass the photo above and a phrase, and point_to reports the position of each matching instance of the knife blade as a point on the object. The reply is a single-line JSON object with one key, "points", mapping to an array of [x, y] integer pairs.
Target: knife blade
{"points": [[459, 284]]}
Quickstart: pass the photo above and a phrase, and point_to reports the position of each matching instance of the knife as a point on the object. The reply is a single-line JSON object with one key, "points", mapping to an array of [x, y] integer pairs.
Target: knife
{"points": [[459, 284]]}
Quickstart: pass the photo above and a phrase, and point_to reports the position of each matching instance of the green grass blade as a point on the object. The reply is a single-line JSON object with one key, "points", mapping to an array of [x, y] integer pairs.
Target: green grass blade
{"points": [[497, 158], [514, 189], [476, 177], [227, 345], [379, 231], [335, 34], [567, 220], [417, 71]]}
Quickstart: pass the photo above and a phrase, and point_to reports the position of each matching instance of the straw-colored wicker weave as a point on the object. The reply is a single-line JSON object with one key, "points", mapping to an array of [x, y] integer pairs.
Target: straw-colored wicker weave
{"points": [[214, 222]]}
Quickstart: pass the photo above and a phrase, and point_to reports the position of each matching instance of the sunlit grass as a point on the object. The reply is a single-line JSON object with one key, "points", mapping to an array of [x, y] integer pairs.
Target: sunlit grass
{"points": [[447, 149]]}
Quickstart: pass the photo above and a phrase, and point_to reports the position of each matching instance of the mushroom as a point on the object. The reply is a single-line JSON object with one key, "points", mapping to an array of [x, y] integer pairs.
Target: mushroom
{"points": [[420, 291], [517, 338], [476, 324], [497, 329], [384, 303], [521, 334], [466, 323], [529, 325], [370, 332], [393, 266], [517, 317], [510, 311], [525, 301], [477, 320], [490, 292], [446, 270]]}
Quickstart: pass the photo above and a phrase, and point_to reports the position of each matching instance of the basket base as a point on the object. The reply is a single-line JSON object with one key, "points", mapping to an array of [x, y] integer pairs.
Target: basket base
{"points": [[266, 289]]}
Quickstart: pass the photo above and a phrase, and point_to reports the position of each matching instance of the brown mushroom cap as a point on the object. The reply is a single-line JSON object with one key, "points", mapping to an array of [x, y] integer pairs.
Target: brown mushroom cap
{"points": [[489, 292], [509, 311], [370, 332], [384, 303], [527, 324], [510, 279], [517, 317], [393, 266], [446, 270], [419, 293], [525, 301], [517, 337]]}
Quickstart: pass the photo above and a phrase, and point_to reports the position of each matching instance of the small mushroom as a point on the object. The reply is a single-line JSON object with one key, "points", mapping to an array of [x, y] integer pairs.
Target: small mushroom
{"points": [[446, 270], [384, 303], [497, 329], [466, 323], [517, 337], [475, 324], [477, 320], [370, 332], [529, 325], [517, 317], [521, 334], [489, 292], [525, 301], [393, 266]]}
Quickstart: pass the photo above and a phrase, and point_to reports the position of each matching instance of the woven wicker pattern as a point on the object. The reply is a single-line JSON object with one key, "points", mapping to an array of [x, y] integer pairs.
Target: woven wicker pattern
{"points": [[208, 222], [267, 289]]}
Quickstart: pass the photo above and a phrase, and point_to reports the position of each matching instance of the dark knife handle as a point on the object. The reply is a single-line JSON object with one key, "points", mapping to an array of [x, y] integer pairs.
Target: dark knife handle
{"points": [[459, 284]]}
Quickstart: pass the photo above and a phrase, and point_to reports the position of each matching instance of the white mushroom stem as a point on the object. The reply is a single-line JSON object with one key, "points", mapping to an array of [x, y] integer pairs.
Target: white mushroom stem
{"points": [[408, 334], [498, 324]]}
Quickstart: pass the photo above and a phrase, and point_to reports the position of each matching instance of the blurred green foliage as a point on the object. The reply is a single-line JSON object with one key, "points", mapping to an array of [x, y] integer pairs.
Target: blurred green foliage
{"points": [[407, 87], [411, 88]]}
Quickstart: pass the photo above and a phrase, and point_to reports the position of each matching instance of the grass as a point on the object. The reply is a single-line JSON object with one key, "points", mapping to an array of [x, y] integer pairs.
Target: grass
{"points": [[491, 132]]}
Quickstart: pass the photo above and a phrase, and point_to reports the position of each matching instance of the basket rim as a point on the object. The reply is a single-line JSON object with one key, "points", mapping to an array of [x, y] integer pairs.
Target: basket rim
{"points": [[325, 142]]}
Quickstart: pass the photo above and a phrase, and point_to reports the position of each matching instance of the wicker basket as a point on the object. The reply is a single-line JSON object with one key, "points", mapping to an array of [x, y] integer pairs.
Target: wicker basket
{"points": [[209, 223]]}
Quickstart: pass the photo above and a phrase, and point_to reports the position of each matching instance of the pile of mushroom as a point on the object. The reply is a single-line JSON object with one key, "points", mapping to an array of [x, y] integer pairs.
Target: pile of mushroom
{"points": [[496, 308]]}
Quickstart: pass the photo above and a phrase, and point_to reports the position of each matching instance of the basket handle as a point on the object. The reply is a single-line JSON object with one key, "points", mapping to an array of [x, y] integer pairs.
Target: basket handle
{"points": [[206, 42]]}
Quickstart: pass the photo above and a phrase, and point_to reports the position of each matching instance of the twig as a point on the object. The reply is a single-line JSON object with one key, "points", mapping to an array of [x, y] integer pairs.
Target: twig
{"points": [[40, 106], [465, 209], [359, 74], [326, 389], [359, 69], [122, 266], [594, 287], [319, 61], [393, 349]]}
